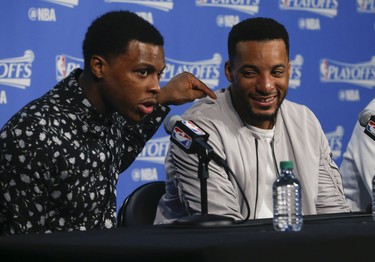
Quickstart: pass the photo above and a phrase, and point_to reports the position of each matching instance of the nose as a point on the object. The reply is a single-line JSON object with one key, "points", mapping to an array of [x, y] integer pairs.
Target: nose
{"points": [[154, 86], [265, 83]]}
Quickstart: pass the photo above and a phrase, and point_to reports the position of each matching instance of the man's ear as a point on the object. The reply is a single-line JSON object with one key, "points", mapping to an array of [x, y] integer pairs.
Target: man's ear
{"points": [[97, 64], [228, 72]]}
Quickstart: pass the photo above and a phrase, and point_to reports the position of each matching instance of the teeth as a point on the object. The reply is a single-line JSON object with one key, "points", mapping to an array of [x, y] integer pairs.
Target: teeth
{"points": [[265, 100]]}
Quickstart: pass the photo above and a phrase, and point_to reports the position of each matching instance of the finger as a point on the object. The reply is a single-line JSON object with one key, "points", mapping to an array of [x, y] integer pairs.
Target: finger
{"points": [[206, 90]]}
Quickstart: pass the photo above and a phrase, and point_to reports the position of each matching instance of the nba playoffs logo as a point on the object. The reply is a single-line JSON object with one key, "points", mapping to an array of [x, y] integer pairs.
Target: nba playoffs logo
{"points": [[362, 74], [366, 6], [16, 71], [296, 72], [155, 150], [322, 7], [208, 71], [66, 64], [67, 3], [250, 7], [163, 5]]}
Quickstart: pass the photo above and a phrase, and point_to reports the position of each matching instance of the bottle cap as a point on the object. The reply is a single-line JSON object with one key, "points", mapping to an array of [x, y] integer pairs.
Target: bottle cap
{"points": [[286, 164]]}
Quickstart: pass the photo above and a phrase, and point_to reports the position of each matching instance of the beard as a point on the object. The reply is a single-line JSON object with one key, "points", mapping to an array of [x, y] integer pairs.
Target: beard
{"points": [[264, 117], [267, 117]]}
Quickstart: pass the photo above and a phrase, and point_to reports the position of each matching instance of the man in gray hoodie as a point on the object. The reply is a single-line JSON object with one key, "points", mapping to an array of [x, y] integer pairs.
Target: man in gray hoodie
{"points": [[253, 127]]}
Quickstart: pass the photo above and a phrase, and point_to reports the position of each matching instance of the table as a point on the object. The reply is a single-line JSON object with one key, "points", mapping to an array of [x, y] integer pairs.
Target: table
{"points": [[334, 237]]}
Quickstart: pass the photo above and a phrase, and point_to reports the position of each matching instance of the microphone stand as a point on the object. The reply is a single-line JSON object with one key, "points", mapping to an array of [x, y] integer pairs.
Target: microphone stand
{"points": [[204, 152]]}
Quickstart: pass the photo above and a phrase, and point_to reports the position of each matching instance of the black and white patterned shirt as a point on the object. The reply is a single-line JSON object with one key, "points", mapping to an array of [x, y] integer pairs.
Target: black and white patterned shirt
{"points": [[60, 160]]}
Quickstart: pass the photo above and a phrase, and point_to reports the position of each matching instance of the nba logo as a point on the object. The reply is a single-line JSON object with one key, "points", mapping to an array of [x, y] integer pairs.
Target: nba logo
{"points": [[61, 71], [193, 127], [181, 137], [370, 127], [65, 64]]}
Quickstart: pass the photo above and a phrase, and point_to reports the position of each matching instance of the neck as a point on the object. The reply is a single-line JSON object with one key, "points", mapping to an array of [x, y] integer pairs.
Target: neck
{"points": [[90, 89]]}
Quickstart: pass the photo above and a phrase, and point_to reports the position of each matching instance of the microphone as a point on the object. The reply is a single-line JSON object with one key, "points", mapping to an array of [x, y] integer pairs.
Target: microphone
{"points": [[170, 122], [191, 138], [365, 116], [367, 119]]}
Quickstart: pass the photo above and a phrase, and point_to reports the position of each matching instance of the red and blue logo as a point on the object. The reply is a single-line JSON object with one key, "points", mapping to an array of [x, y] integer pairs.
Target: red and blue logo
{"points": [[181, 137], [370, 128], [193, 127]]}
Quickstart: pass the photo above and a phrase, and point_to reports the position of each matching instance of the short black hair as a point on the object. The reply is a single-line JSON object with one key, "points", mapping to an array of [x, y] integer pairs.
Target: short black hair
{"points": [[109, 35], [256, 29]]}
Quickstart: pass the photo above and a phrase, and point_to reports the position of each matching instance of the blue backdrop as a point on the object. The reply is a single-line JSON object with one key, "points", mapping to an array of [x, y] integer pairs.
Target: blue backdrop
{"points": [[332, 53]]}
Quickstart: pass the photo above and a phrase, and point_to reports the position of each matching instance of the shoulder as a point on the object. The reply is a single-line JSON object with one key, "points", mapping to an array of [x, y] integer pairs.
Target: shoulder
{"points": [[293, 107], [220, 109], [215, 116], [299, 117], [296, 111]]}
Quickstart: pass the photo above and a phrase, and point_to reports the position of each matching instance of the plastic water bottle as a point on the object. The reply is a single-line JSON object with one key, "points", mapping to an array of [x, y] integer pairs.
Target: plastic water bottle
{"points": [[287, 210]]}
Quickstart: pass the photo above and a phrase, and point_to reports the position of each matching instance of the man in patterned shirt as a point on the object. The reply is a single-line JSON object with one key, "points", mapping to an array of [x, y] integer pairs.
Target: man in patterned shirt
{"points": [[60, 155]]}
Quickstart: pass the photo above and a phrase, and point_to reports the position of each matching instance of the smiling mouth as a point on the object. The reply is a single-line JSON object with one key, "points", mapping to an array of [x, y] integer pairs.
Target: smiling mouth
{"points": [[264, 99]]}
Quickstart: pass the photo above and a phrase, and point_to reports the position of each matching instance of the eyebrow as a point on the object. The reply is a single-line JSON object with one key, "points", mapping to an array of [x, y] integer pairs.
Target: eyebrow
{"points": [[248, 66], [256, 68], [280, 65], [150, 67]]}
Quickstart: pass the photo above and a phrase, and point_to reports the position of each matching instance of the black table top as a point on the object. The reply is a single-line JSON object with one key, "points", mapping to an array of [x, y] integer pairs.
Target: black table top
{"points": [[334, 237]]}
